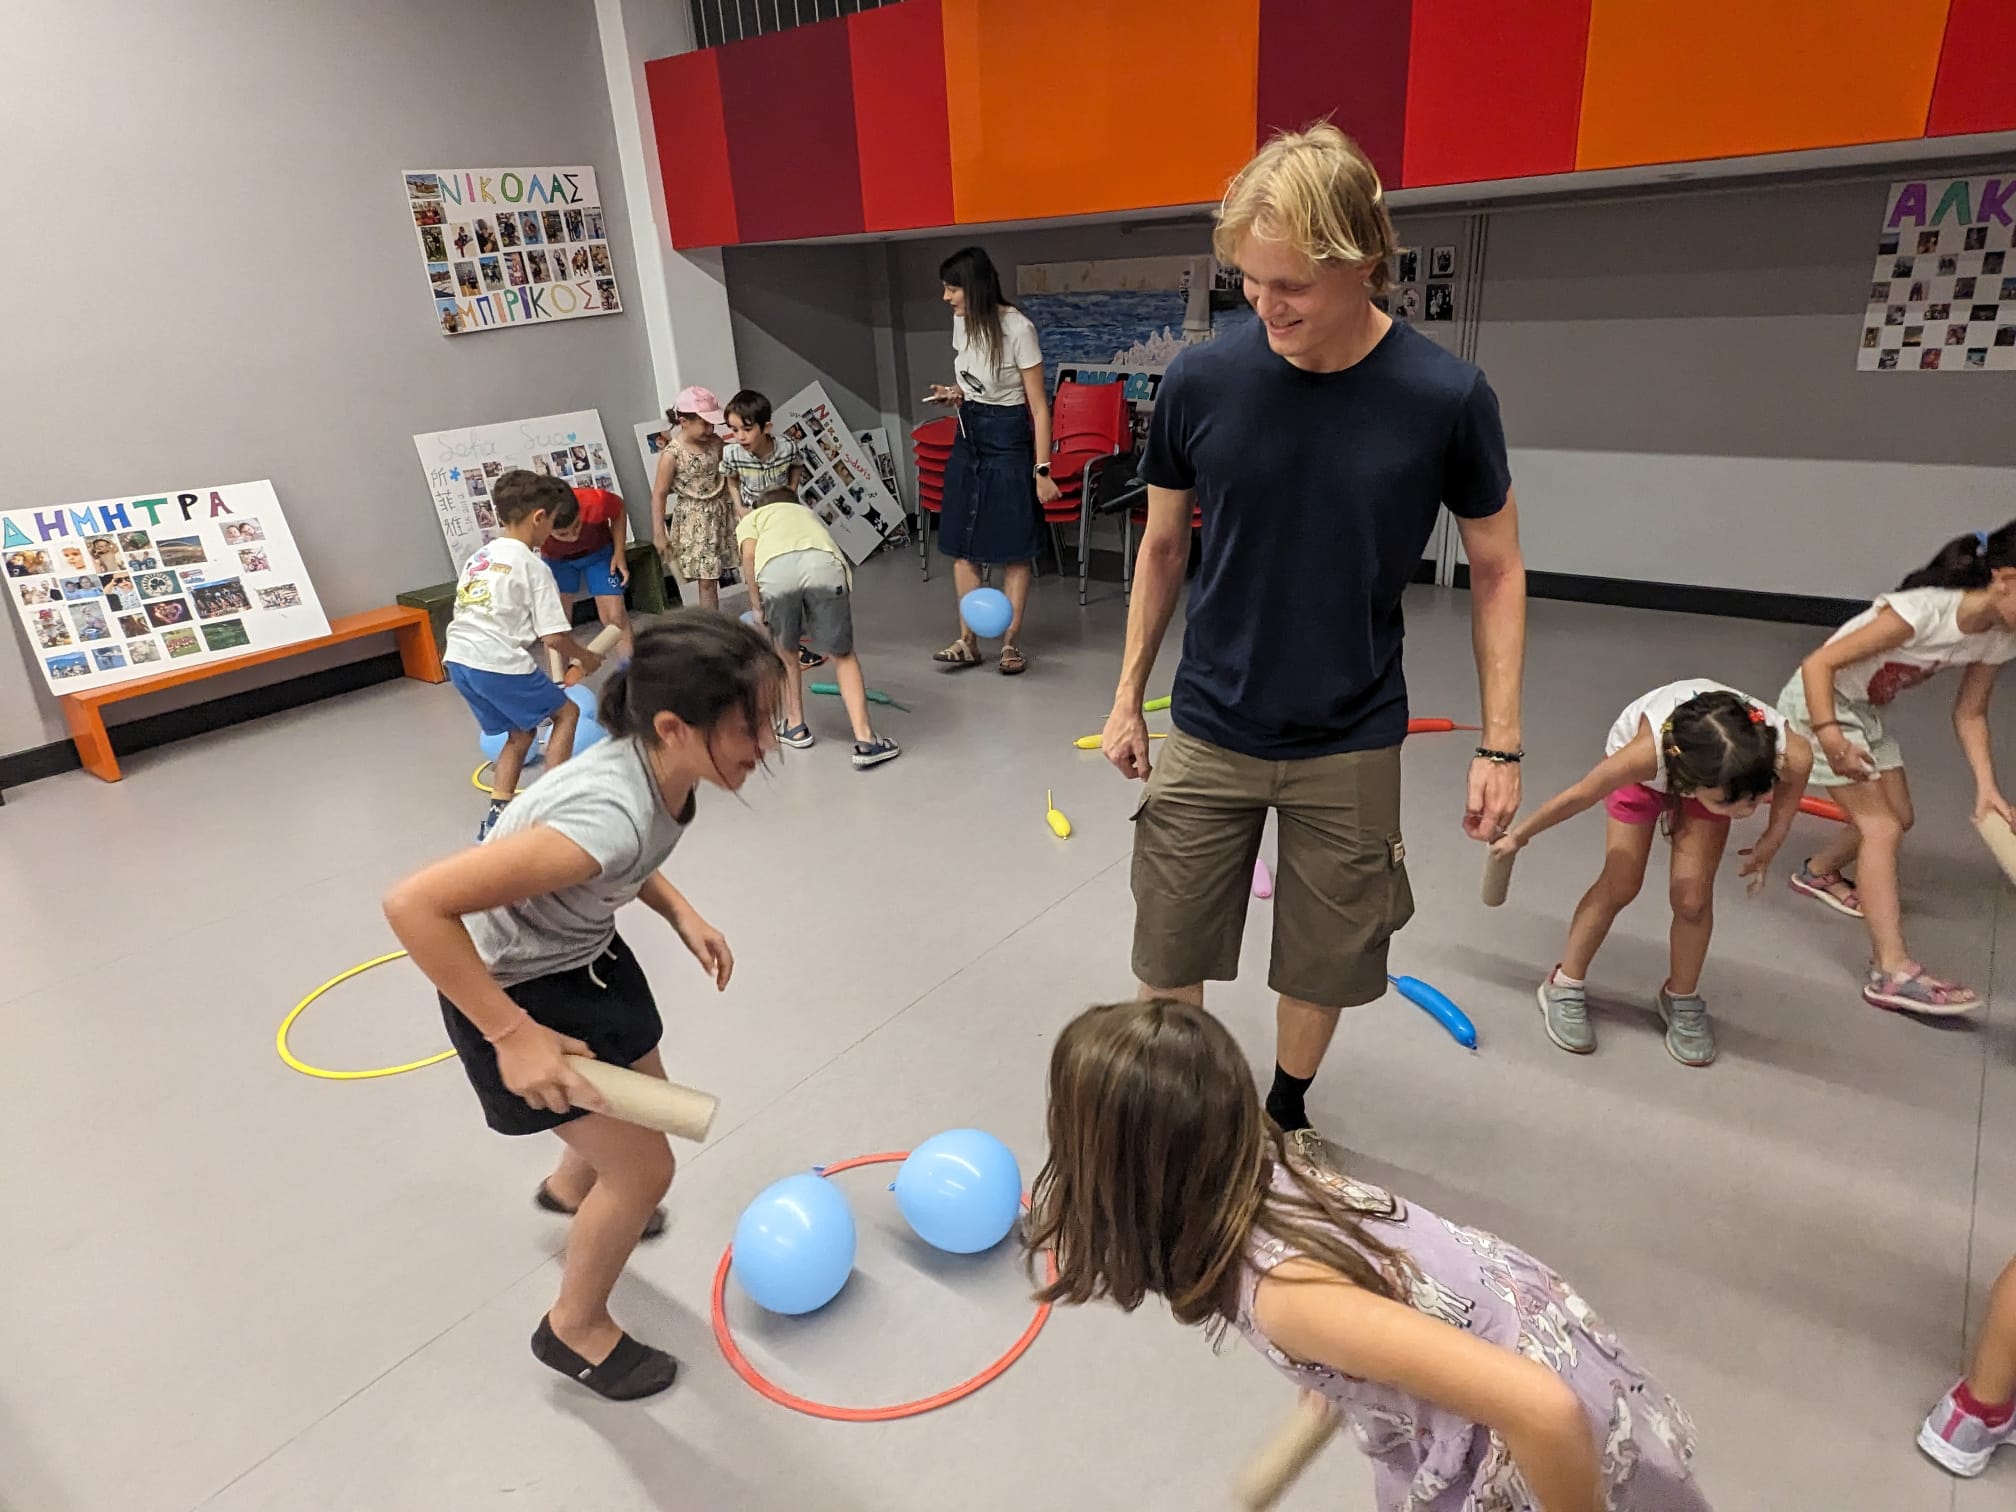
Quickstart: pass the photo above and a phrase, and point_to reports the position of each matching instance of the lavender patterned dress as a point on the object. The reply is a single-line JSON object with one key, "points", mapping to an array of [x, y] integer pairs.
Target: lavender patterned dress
{"points": [[1430, 1460]]}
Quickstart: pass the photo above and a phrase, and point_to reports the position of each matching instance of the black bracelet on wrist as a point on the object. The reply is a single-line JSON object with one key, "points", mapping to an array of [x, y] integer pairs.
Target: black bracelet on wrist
{"points": [[1502, 758]]}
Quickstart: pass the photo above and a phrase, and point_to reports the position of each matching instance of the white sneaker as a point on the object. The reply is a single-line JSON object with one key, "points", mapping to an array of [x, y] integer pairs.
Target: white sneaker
{"points": [[1959, 1441]]}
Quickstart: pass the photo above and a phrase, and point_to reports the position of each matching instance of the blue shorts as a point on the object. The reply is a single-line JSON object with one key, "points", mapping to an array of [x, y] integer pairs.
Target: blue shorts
{"points": [[593, 573], [507, 701]]}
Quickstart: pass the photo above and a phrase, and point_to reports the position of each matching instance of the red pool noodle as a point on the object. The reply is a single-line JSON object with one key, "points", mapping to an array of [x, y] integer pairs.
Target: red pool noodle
{"points": [[1822, 808]]}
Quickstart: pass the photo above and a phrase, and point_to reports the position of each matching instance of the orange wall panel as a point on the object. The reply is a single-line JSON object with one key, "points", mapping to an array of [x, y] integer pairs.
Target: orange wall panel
{"points": [[1673, 80], [1069, 107]]}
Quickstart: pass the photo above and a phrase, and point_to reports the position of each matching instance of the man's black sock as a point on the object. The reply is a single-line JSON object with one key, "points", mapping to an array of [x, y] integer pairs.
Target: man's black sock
{"points": [[1284, 1102]]}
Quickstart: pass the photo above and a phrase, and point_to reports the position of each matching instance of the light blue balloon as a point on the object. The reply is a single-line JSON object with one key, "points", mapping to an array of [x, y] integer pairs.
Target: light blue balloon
{"points": [[987, 612], [587, 732], [492, 746], [960, 1190], [748, 617], [794, 1245]]}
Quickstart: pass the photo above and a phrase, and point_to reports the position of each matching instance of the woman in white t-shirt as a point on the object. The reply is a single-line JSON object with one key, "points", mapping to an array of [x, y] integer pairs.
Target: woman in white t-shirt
{"points": [[1957, 611], [1000, 464], [1688, 758]]}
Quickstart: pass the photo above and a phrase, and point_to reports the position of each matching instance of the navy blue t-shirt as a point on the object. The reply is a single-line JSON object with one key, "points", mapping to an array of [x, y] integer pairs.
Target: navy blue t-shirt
{"points": [[1318, 492]]}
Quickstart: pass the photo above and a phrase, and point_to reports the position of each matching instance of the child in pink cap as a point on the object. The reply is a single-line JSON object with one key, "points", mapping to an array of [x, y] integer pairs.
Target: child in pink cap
{"points": [[690, 522]]}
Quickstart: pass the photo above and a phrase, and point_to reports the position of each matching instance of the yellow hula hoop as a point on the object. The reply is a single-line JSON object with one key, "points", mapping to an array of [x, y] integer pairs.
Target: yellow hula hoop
{"points": [[295, 1061], [476, 777]]}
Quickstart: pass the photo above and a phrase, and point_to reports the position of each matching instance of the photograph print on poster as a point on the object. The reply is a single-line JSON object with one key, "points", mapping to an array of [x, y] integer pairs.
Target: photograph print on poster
{"points": [[496, 213], [1940, 256], [192, 532], [462, 465]]}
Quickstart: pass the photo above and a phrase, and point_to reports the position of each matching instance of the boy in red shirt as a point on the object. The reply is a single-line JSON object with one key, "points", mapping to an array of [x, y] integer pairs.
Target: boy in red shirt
{"points": [[588, 557]]}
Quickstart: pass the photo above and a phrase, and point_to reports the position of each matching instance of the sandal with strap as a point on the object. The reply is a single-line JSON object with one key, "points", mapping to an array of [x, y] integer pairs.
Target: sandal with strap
{"points": [[1011, 661], [630, 1371], [961, 654], [1821, 887], [1916, 990], [546, 1202]]}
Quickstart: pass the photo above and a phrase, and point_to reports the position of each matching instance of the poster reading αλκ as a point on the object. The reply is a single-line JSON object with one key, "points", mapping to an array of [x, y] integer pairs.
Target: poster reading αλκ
{"points": [[123, 588], [512, 246], [1942, 295]]}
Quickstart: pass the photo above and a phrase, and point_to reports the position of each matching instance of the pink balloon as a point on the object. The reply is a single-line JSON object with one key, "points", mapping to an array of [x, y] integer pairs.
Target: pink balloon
{"points": [[1263, 882]]}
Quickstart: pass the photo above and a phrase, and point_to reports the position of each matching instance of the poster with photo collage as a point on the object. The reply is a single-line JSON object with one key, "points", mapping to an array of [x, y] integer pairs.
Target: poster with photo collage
{"points": [[124, 588], [1943, 294], [845, 488], [461, 465], [512, 246]]}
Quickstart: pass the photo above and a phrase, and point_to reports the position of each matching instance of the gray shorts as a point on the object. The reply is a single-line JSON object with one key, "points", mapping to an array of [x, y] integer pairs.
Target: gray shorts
{"points": [[806, 598]]}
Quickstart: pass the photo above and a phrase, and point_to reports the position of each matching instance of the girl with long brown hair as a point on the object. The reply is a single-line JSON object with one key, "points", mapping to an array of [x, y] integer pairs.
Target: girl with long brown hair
{"points": [[1475, 1378]]}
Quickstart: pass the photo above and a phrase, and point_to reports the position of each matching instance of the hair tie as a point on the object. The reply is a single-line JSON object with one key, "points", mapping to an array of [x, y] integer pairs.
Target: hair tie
{"points": [[1981, 543]]}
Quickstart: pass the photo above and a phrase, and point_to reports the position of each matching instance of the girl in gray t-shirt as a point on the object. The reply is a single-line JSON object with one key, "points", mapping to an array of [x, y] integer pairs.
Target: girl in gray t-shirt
{"points": [[519, 936]]}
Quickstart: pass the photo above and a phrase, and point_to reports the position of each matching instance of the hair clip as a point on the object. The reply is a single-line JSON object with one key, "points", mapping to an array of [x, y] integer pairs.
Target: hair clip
{"points": [[1980, 543], [1756, 715]]}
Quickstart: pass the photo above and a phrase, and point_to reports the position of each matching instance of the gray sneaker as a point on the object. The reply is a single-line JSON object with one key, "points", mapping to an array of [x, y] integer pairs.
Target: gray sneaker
{"points": [[1688, 1038], [1566, 1013]]}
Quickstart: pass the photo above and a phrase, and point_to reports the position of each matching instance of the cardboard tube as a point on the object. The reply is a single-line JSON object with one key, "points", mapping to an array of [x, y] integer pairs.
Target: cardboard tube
{"points": [[606, 637], [1994, 831], [648, 1101], [1497, 877], [1268, 1475]]}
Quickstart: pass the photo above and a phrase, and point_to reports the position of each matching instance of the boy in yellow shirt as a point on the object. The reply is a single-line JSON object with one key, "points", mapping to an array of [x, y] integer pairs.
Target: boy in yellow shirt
{"points": [[800, 588]]}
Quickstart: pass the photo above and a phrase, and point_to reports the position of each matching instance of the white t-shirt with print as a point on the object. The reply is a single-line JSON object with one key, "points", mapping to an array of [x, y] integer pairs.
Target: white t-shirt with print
{"points": [[1656, 707], [996, 377], [506, 600], [1937, 642]]}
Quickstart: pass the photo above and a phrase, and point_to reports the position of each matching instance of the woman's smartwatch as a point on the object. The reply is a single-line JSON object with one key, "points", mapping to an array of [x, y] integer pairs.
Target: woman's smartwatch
{"points": [[1042, 469]]}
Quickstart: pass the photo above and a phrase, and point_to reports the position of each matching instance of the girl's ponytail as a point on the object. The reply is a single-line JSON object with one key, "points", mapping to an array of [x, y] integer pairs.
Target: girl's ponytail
{"points": [[1967, 561]]}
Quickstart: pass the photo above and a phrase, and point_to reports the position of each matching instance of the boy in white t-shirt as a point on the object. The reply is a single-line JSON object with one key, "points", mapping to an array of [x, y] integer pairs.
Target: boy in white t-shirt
{"points": [[505, 601], [1957, 611], [800, 588]]}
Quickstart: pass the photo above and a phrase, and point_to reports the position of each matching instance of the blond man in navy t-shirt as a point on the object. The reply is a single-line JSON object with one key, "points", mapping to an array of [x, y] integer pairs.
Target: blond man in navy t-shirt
{"points": [[1319, 442]]}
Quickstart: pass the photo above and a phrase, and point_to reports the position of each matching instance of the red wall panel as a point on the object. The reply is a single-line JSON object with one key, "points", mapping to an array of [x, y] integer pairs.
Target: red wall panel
{"points": [[1494, 91], [900, 119], [692, 138], [1976, 86], [1345, 59], [788, 100]]}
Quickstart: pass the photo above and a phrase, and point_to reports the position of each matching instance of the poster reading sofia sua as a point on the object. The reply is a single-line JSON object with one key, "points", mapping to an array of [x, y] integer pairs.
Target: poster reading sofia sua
{"points": [[124, 588]]}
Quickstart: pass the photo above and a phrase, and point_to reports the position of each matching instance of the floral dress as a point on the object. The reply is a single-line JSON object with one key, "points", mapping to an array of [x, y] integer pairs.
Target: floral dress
{"points": [[696, 519], [1429, 1459]]}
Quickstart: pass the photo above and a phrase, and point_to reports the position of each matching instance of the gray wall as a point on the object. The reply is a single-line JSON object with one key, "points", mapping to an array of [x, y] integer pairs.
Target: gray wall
{"points": [[1677, 374], [240, 293], [1679, 385], [804, 315]]}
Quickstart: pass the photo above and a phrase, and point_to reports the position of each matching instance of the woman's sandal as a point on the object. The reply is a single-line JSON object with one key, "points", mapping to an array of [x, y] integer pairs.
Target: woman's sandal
{"points": [[1916, 990], [960, 653], [546, 1202], [1011, 661], [632, 1370], [1820, 886]]}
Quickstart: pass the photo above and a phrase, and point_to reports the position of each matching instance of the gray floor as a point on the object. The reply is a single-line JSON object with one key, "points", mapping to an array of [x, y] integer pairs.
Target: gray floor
{"points": [[234, 1288]]}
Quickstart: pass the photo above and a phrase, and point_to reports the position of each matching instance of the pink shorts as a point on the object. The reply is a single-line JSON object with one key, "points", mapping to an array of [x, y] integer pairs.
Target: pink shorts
{"points": [[1639, 804]]}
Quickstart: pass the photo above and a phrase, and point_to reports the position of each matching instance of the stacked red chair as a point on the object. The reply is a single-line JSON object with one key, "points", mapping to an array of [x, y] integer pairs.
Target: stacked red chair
{"points": [[931, 446]]}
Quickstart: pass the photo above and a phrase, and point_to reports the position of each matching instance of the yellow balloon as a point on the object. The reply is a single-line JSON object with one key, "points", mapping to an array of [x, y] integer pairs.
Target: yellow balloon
{"points": [[1059, 825]]}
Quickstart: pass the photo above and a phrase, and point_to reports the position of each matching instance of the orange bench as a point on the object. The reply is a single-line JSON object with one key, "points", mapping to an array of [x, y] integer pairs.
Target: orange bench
{"points": [[83, 712]]}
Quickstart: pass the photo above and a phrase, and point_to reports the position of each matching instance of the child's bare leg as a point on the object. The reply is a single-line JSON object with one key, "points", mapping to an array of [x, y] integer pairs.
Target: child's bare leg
{"points": [[571, 1178], [1837, 854], [710, 592], [1626, 848], [510, 762], [1697, 856], [794, 686], [1991, 1374], [633, 1168], [609, 607], [854, 694], [1881, 833], [560, 744]]}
